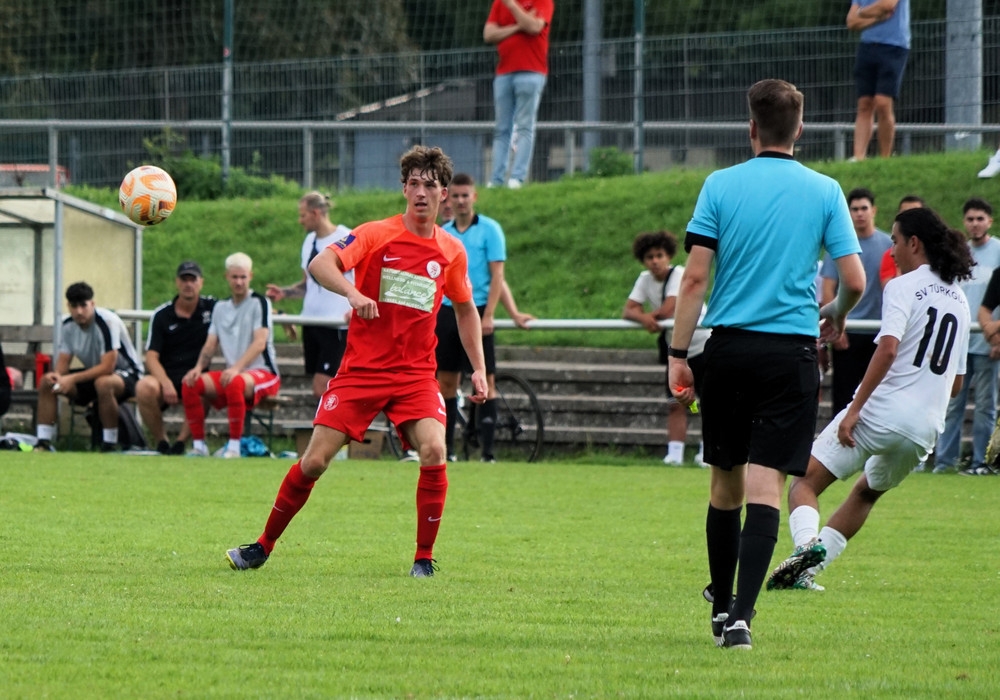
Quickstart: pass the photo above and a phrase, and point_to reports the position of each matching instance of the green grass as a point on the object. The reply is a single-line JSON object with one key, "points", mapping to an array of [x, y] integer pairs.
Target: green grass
{"points": [[556, 581], [569, 242]]}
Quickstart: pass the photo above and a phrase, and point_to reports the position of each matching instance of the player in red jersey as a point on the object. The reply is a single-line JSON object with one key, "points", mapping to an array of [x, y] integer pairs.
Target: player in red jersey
{"points": [[402, 266]]}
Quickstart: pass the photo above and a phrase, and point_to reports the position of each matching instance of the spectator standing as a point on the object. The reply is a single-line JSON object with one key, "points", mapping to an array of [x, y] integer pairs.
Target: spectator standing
{"points": [[322, 347], [520, 30], [878, 69], [764, 224], [99, 339], [242, 327], [486, 251], [177, 332], [656, 289], [853, 350], [982, 368], [404, 265], [920, 361]]}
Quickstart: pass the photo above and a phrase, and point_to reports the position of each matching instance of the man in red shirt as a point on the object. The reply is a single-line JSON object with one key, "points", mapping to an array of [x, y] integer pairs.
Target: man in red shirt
{"points": [[520, 30], [403, 266]]}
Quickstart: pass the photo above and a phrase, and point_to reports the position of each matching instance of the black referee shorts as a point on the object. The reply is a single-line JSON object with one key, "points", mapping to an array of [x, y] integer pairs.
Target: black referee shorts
{"points": [[450, 354], [759, 399]]}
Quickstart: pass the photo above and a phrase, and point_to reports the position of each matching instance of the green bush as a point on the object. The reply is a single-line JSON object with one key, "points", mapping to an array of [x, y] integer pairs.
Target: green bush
{"points": [[609, 162]]}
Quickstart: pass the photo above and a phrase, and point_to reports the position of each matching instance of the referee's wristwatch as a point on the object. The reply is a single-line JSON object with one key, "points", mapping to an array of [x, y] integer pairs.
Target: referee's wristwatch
{"points": [[677, 353]]}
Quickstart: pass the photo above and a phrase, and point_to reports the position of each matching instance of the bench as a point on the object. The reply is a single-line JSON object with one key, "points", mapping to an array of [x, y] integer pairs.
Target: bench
{"points": [[263, 415], [33, 337]]}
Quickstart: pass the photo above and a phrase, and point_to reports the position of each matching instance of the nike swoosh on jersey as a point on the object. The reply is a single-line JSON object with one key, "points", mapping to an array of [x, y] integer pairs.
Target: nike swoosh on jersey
{"points": [[386, 258]]}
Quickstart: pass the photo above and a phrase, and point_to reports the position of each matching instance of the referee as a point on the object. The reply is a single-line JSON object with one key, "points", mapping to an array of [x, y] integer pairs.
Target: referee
{"points": [[765, 224]]}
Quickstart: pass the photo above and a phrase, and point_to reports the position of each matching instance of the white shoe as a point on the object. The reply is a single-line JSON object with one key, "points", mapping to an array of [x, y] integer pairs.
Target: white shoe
{"points": [[198, 452], [699, 459], [513, 184], [670, 460], [231, 454], [410, 456], [992, 167]]}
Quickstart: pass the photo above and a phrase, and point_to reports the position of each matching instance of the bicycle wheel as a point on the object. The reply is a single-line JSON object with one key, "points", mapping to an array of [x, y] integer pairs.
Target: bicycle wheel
{"points": [[520, 425]]}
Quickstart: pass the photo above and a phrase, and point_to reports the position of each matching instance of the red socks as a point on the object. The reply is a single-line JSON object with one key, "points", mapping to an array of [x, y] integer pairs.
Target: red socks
{"points": [[236, 406], [194, 411], [292, 495], [432, 486]]}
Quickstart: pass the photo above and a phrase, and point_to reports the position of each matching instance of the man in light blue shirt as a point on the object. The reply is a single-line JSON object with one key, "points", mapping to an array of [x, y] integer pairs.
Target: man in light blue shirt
{"points": [[878, 68]]}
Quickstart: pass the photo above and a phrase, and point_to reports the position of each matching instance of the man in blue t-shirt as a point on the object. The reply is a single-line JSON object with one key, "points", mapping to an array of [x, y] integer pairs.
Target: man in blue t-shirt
{"points": [[853, 350], [486, 249], [763, 223], [878, 68]]}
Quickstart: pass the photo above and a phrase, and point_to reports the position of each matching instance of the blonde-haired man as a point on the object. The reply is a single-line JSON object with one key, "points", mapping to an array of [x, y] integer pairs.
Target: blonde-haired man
{"points": [[242, 328]]}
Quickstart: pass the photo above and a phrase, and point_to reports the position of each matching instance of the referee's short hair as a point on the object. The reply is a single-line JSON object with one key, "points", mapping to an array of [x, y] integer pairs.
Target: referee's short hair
{"points": [[776, 108]]}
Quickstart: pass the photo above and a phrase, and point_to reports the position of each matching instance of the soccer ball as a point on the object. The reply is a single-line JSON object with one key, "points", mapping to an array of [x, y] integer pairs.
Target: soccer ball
{"points": [[147, 195]]}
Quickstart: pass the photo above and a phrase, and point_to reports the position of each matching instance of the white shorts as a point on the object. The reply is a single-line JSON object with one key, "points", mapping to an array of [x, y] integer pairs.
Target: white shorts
{"points": [[886, 457]]}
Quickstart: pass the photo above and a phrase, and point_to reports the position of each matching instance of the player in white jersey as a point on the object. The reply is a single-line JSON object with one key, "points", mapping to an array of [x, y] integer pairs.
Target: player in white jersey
{"points": [[919, 361]]}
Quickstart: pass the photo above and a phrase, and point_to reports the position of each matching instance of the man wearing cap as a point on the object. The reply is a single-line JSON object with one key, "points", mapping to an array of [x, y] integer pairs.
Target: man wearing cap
{"points": [[177, 332]]}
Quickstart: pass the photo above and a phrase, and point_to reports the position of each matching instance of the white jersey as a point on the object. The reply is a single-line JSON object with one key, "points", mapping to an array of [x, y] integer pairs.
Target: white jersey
{"points": [[647, 290], [319, 301], [931, 320], [235, 324]]}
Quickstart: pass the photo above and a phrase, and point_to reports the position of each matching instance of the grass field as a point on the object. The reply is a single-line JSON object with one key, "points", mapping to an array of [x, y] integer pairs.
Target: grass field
{"points": [[561, 580]]}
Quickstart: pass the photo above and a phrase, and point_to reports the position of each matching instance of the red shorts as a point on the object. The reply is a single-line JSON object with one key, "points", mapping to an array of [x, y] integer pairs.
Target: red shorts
{"points": [[264, 384], [353, 399]]}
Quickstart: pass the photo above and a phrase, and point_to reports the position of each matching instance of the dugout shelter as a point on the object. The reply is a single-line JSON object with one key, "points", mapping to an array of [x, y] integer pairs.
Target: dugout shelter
{"points": [[48, 240]]}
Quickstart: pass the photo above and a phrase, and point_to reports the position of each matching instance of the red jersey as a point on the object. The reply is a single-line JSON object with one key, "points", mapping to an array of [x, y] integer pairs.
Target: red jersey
{"points": [[407, 276], [522, 51]]}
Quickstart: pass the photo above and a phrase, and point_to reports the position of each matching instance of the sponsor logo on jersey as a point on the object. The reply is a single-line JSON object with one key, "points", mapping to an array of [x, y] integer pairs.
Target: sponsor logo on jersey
{"points": [[407, 289]]}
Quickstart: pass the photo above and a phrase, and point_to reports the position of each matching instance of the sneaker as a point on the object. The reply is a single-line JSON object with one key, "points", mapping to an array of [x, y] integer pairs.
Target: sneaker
{"points": [[177, 448], [163, 447], [736, 636], [231, 454], [109, 447], [410, 456], [981, 470], [708, 593], [807, 582], [247, 556], [423, 568], [453, 458], [699, 459], [488, 459], [718, 622], [513, 184], [804, 557], [198, 452], [670, 461], [943, 469], [992, 167], [44, 446]]}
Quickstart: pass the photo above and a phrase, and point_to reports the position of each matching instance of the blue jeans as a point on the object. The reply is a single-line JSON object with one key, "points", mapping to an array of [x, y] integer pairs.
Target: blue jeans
{"points": [[981, 373], [515, 99]]}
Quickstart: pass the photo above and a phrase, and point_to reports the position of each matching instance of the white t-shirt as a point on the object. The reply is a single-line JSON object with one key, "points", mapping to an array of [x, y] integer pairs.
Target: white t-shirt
{"points": [[105, 333], [234, 325], [648, 290], [931, 320], [319, 301]]}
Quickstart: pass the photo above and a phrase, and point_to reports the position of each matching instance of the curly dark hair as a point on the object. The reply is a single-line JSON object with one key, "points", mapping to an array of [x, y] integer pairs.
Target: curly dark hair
{"points": [[645, 242], [426, 160], [947, 250]]}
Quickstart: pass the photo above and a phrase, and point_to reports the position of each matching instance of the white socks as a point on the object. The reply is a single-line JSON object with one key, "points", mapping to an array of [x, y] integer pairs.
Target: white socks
{"points": [[675, 451], [804, 524], [45, 432], [110, 435], [233, 446], [835, 543]]}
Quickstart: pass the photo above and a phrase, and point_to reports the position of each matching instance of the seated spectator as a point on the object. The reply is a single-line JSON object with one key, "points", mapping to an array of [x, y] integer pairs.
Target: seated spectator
{"points": [[177, 333], [242, 327], [6, 384], [111, 367]]}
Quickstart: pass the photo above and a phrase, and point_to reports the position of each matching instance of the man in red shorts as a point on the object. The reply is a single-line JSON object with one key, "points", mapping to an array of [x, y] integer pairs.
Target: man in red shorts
{"points": [[402, 267], [242, 328]]}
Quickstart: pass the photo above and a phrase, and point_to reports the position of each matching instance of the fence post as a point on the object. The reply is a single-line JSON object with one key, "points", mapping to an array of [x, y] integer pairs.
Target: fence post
{"points": [[307, 158]]}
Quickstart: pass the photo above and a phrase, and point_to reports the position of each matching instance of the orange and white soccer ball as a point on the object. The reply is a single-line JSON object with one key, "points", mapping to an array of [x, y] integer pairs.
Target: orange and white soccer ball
{"points": [[147, 195]]}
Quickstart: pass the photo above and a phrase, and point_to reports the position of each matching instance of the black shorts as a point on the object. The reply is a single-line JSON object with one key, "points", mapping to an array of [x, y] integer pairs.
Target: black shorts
{"points": [[86, 392], [759, 399], [450, 354], [878, 69], [323, 349]]}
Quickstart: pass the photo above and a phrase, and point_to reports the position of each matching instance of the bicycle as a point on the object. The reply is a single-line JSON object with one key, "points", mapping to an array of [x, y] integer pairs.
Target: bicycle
{"points": [[520, 426]]}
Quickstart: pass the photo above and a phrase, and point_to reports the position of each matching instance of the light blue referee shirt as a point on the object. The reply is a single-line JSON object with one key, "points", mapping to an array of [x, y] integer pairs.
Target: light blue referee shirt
{"points": [[484, 243], [770, 219]]}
